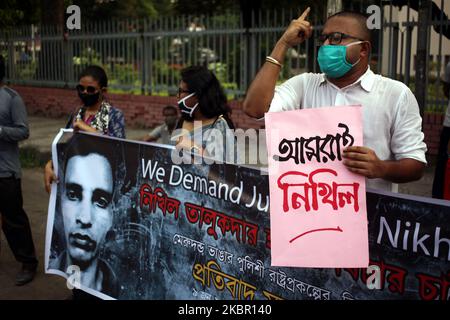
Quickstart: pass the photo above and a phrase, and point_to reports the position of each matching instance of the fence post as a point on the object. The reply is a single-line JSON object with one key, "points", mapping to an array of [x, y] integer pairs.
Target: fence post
{"points": [[333, 6], [393, 50], [67, 59], [143, 63], [150, 75], [423, 42], [250, 56], [408, 54], [11, 64]]}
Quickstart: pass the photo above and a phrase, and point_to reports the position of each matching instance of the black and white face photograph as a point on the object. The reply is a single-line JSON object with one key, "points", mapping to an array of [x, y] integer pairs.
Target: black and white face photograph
{"points": [[86, 213]]}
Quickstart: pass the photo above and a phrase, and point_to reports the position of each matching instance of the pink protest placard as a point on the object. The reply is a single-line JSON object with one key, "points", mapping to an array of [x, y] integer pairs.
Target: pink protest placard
{"points": [[318, 215]]}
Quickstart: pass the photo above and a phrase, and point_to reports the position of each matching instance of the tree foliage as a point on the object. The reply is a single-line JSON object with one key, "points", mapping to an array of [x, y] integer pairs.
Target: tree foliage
{"points": [[18, 12], [95, 10]]}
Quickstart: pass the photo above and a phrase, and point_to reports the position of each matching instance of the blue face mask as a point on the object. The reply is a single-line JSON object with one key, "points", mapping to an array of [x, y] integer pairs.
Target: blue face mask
{"points": [[333, 60]]}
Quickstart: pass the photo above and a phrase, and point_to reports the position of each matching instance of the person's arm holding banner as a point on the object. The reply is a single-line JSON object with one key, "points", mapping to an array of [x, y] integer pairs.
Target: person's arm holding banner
{"points": [[49, 176], [261, 91], [83, 126], [364, 161], [405, 144]]}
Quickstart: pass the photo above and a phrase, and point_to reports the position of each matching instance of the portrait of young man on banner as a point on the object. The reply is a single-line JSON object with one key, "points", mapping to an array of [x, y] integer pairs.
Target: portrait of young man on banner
{"points": [[85, 213]]}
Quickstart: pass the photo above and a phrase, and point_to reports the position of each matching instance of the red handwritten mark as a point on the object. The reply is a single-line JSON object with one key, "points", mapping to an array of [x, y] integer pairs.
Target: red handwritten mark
{"points": [[316, 230]]}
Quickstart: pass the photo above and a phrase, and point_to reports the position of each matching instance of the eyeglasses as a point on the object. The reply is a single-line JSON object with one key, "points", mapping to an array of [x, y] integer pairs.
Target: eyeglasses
{"points": [[335, 37], [88, 89], [180, 91]]}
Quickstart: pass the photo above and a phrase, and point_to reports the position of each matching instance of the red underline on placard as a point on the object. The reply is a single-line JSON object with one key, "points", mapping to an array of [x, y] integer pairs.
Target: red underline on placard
{"points": [[316, 230]]}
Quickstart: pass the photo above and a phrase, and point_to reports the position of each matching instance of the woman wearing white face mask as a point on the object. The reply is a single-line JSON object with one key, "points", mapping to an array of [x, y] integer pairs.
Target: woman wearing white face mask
{"points": [[205, 115]]}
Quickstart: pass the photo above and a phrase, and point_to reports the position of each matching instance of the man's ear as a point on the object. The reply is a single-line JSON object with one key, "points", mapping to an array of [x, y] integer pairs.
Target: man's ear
{"points": [[366, 49]]}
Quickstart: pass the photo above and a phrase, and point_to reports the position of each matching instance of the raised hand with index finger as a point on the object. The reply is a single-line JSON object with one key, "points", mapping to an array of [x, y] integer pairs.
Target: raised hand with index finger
{"points": [[298, 31]]}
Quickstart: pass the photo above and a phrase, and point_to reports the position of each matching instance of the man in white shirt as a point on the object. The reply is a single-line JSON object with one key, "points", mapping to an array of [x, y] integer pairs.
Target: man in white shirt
{"points": [[393, 151], [444, 144]]}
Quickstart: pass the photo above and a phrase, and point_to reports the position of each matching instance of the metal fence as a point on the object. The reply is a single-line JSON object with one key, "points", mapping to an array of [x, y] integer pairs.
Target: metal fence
{"points": [[145, 56]]}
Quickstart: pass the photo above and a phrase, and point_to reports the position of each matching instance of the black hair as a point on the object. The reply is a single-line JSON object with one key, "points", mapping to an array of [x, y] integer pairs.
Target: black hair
{"points": [[83, 145], [97, 73], [211, 97], [360, 17], [2, 68], [170, 107]]}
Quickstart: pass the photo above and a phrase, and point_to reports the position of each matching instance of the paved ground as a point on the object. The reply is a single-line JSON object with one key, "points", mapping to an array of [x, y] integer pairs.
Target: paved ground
{"points": [[44, 286]]}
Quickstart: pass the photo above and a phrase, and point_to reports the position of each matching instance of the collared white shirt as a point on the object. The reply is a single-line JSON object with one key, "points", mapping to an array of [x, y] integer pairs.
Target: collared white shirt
{"points": [[392, 125]]}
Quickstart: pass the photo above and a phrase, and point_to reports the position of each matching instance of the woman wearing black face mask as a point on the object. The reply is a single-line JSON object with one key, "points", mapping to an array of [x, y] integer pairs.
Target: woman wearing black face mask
{"points": [[95, 115], [202, 101]]}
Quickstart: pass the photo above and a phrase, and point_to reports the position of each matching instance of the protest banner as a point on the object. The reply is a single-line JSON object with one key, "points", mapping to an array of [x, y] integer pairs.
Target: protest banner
{"points": [[126, 223], [318, 207]]}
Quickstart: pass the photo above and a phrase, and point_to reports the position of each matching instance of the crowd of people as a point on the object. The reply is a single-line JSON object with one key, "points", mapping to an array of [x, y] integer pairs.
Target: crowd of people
{"points": [[393, 150]]}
